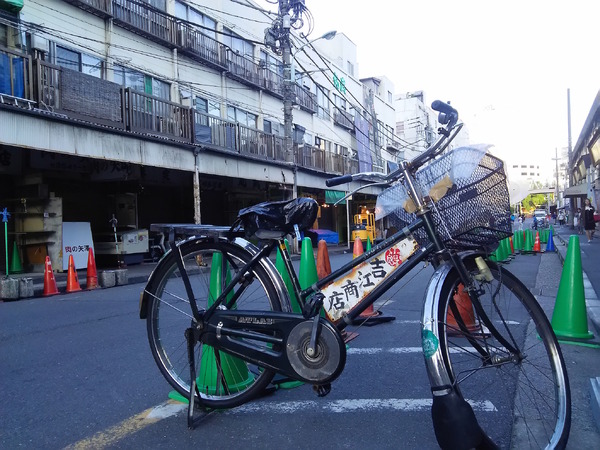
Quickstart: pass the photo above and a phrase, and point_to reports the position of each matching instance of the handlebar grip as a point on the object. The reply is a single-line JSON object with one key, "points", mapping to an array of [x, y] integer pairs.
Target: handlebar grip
{"points": [[443, 107], [338, 180]]}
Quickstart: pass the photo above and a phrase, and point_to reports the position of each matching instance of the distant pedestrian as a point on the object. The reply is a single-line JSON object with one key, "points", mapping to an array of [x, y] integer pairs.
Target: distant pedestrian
{"points": [[535, 223], [561, 218], [577, 220], [520, 221], [589, 225]]}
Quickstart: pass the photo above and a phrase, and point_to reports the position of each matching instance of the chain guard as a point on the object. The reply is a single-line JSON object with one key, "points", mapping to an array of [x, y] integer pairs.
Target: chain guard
{"points": [[330, 353]]}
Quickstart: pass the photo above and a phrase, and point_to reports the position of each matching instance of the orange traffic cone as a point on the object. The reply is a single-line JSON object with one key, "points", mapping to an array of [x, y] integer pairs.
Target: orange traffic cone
{"points": [[357, 249], [323, 264], [512, 246], [91, 276], [72, 280], [49, 281], [369, 316], [324, 269], [465, 309], [536, 245]]}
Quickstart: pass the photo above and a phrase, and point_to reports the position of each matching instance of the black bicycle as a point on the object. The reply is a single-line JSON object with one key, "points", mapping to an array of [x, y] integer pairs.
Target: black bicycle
{"points": [[222, 323]]}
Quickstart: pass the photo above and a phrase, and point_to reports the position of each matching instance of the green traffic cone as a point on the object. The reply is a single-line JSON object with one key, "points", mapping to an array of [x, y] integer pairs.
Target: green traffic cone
{"points": [[280, 266], [368, 244], [285, 383], [232, 369], [528, 246], [569, 319], [507, 252], [308, 267], [15, 262], [517, 241]]}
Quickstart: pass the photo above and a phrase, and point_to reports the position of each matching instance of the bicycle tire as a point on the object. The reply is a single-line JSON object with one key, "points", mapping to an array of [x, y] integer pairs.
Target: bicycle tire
{"points": [[528, 400], [223, 381]]}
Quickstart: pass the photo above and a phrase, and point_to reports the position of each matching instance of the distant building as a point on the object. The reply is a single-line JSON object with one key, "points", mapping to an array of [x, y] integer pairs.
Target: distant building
{"points": [[417, 125]]}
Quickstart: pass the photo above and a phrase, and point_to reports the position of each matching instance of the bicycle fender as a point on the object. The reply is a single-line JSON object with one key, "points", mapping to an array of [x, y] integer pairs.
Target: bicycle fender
{"points": [[438, 376], [266, 263], [454, 423]]}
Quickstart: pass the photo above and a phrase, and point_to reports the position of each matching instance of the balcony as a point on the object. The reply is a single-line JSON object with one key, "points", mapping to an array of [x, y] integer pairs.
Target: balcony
{"points": [[15, 76], [272, 82], [152, 115], [200, 47], [86, 99], [343, 119], [100, 8], [146, 21], [243, 69], [305, 99]]}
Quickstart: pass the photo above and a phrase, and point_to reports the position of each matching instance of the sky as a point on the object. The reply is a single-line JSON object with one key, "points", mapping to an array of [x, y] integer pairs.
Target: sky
{"points": [[504, 65]]}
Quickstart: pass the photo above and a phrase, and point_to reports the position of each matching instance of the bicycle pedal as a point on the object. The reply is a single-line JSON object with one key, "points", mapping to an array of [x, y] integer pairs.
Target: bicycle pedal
{"points": [[322, 389]]}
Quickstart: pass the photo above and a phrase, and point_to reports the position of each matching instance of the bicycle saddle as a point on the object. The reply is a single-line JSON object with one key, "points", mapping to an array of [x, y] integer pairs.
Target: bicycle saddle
{"points": [[273, 220]]}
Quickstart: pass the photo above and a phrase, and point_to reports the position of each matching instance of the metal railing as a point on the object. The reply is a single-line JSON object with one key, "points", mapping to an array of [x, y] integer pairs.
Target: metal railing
{"points": [[153, 115], [146, 114], [343, 119], [305, 99], [199, 46], [146, 21], [15, 74], [100, 8]]}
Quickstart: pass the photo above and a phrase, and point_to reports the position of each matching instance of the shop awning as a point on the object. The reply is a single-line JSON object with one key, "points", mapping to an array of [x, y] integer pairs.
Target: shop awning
{"points": [[581, 190], [333, 196], [11, 5]]}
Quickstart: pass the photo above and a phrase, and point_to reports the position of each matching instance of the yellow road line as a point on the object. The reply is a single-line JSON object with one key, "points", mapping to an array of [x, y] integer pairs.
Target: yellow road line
{"points": [[114, 434]]}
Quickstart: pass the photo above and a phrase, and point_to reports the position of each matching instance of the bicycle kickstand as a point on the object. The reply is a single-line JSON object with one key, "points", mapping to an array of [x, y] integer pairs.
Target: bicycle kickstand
{"points": [[192, 336]]}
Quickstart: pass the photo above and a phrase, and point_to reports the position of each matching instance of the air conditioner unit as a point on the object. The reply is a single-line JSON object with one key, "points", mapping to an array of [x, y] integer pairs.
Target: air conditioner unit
{"points": [[39, 43]]}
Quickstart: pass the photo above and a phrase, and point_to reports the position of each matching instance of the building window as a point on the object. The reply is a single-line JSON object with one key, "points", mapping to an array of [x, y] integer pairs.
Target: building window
{"points": [[80, 62], [237, 44], [350, 69], [207, 25], [270, 127], [323, 103], [271, 63], [242, 117], [400, 128], [390, 97], [207, 106], [141, 82]]}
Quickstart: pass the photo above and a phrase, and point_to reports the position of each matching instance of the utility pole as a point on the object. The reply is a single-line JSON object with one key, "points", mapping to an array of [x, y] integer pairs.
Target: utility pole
{"points": [[288, 88], [570, 157]]}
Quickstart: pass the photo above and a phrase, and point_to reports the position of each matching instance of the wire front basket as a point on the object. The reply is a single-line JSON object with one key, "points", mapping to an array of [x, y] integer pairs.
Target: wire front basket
{"points": [[475, 211]]}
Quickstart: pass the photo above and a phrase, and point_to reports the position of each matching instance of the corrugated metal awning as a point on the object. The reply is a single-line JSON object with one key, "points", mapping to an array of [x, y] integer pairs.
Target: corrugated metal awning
{"points": [[581, 190]]}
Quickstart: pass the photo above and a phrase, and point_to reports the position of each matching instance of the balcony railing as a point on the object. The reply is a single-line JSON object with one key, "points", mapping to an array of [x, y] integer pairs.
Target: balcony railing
{"points": [[193, 43], [243, 69], [78, 95], [305, 99], [99, 102], [146, 21], [99, 8], [343, 119], [156, 25], [15, 74], [149, 114]]}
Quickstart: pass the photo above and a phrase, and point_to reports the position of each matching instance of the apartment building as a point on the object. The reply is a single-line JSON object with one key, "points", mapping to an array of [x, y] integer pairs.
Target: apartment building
{"points": [[172, 111]]}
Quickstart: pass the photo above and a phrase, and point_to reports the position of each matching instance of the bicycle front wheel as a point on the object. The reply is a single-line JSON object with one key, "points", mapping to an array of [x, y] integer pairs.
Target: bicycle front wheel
{"points": [[223, 381], [510, 367]]}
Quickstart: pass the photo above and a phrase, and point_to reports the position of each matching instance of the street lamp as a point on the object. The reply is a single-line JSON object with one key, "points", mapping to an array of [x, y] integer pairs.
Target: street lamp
{"points": [[327, 36]]}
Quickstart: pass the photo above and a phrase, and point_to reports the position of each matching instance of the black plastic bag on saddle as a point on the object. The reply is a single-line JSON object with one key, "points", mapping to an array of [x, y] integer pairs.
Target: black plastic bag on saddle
{"points": [[270, 219]]}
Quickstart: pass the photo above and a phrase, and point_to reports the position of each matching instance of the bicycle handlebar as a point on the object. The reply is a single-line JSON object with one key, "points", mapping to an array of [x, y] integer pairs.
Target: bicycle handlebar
{"points": [[338, 180]]}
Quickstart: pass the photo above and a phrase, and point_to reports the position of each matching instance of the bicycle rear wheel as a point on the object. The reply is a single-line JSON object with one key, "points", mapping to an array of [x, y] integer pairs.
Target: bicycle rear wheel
{"points": [[223, 381], [521, 399]]}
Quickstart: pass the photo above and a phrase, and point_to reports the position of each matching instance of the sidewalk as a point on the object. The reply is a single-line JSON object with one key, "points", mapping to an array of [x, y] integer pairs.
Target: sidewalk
{"points": [[590, 261]]}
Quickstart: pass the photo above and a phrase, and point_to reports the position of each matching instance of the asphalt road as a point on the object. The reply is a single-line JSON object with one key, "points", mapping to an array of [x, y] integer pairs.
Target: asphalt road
{"points": [[76, 371]]}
